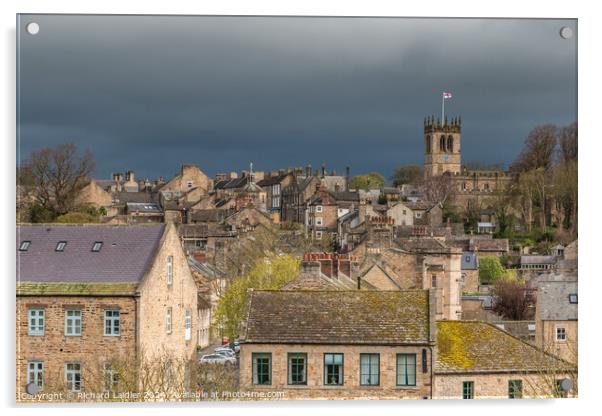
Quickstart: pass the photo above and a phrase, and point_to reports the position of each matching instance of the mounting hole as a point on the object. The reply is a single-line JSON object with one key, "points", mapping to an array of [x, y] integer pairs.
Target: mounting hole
{"points": [[33, 28], [566, 32]]}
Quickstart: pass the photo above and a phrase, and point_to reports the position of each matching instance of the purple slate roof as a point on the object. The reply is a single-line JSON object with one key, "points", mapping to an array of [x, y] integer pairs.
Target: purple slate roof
{"points": [[126, 254]]}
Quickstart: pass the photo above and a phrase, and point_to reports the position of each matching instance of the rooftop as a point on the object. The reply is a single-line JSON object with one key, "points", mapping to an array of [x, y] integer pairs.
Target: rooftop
{"points": [[338, 317], [123, 256], [473, 346]]}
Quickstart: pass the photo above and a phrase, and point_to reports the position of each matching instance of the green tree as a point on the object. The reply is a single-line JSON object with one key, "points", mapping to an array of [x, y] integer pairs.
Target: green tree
{"points": [[408, 174], [490, 270], [372, 180], [272, 273]]}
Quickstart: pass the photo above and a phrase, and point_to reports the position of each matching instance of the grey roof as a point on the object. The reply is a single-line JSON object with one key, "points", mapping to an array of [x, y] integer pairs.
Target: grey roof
{"points": [[469, 261], [125, 256], [141, 197], [553, 301], [206, 269], [537, 260]]}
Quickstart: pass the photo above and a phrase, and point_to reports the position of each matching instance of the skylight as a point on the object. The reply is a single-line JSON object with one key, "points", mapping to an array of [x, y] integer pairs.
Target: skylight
{"points": [[24, 245], [97, 246], [60, 246]]}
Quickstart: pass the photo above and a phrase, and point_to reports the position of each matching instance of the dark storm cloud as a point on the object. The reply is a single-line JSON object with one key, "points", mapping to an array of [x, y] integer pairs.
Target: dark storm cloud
{"points": [[149, 93]]}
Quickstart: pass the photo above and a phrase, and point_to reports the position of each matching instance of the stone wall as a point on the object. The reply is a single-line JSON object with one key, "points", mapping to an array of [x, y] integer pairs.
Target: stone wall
{"points": [[315, 388], [91, 349], [494, 386], [545, 336], [156, 297]]}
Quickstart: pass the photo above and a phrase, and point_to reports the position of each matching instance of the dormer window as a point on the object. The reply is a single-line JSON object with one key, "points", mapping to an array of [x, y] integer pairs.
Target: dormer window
{"points": [[60, 246], [96, 246], [24, 245]]}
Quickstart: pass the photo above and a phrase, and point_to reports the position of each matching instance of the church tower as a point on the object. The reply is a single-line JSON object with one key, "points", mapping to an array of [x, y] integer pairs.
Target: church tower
{"points": [[442, 146]]}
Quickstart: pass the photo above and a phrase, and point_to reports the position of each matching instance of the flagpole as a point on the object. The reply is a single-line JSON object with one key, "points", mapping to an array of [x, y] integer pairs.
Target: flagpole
{"points": [[442, 107]]}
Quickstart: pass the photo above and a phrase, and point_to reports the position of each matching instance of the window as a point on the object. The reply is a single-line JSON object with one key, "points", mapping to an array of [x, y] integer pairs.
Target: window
{"points": [[297, 368], [515, 389], [433, 281], [262, 368], [35, 373], [428, 144], [573, 298], [369, 369], [110, 377], [406, 369], [35, 321], [60, 246], [168, 321], [318, 208], [468, 390], [24, 245], [318, 235], [96, 246], [188, 325], [73, 376], [169, 270], [73, 322], [189, 184], [318, 220], [112, 323], [419, 215], [333, 369], [424, 362], [560, 334]]}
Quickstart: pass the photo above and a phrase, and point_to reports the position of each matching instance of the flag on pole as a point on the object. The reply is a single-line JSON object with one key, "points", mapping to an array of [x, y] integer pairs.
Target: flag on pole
{"points": [[447, 95]]}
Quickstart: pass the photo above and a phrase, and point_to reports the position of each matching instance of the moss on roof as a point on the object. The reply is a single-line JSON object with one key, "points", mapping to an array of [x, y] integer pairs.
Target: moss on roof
{"points": [[472, 346], [82, 289], [338, 317]]}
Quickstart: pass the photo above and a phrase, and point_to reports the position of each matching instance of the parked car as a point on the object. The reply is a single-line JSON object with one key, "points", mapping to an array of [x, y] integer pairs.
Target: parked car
{"points": [[225, 353], [217, 359], [235, 346]]}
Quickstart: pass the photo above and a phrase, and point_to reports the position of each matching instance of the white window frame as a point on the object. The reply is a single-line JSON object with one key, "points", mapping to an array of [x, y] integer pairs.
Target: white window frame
{"points": [[37, 329], [110, 378], [73, 372], [318, 235], [169, 271], [112, 316], [188, 325], [35, 373], [319, 208], [319, 221], [563, 329], [168, 320], [71, 320]]}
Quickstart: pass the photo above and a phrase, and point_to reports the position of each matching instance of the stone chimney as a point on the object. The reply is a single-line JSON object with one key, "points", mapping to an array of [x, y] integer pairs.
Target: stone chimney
{"points": [[347, 177], [308, 170]]}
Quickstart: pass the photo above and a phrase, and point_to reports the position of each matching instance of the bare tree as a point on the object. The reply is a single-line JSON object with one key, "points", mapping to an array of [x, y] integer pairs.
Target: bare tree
{"points": [[567, 139], [539, 149], [513, 300], [437, 189], [57, 175]]}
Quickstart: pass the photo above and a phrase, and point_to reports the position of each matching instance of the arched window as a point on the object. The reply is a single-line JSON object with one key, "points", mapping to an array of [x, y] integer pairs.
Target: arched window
{"points": [[442, 143], [428, 144], [450, 144]]}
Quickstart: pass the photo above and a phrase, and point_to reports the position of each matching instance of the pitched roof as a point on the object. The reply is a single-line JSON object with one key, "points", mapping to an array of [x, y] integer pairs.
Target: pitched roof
{"points": [[424, 244], [473, 346], [139, 197], [126, 253], [553, 301], [203, 231], [273, 180], [207, 215], [338, 317], [537, 259], [469, 261]]}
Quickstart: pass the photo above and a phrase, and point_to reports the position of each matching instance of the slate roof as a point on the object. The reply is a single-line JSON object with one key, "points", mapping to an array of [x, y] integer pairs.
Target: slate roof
{"points": [[481, 347], [144, 207], [273, 180], [126, 253], [139, 197], [203, 231], [537, 260], [490, 244], [338, 317], [553, 301], [424, 244], [207, 215]]}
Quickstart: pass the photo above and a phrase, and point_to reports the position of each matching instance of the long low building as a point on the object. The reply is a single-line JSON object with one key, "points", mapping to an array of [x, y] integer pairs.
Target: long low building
{"points": [[354, 344]]}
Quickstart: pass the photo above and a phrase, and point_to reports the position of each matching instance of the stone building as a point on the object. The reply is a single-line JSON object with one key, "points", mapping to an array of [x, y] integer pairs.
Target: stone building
{"points": [[556, 318], [90, 296], [273, 184], [478, 360], [324, 344], [442, 156], [189, 178], [325, 208]]}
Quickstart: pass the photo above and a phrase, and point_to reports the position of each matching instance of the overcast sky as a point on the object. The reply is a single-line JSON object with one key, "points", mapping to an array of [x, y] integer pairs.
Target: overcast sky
{"points": [[149, 93]]}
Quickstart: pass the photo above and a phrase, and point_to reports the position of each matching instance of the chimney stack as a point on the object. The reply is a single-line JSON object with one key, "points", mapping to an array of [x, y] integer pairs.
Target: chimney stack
{"points": [[308, 170]]}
